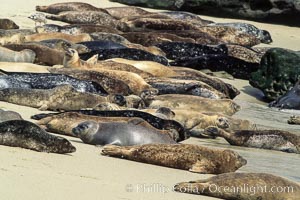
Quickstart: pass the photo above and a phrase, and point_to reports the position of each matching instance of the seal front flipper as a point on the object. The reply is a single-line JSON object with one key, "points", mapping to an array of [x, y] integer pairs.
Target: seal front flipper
{"points": [[203, 166]]}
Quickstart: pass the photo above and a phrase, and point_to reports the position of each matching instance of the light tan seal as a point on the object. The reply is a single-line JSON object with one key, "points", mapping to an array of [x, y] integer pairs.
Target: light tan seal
{"points": [[48, 36], [194, 103], [23, 67], [190, 157], [243, 186]]}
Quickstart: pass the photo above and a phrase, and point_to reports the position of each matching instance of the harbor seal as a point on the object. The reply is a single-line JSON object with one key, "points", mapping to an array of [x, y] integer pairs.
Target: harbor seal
{"points": [[218, 62], [294, 120], [75, 29], [44, 54], [25, 56], [63, 97], [70, 6], [188, 17], [23, 67], [9, 115], [48, 36], [24, 134], [187, 87], [49, 81], [176, 50], [88, 17], [122, 12], [154, 68], [7, 24], [110, 37], [196, 103], [231, 186], [190, 74], [290, 100], [264, 139], [102, 44], [263, 35], [111, 85], [14, 36], [156, 122], [131, 132], [190, 157], [244, 53], [154, 38], [128, 53]]}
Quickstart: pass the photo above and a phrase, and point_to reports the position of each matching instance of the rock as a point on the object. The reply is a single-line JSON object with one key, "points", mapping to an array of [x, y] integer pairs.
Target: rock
{"points": [[284, 11], [278, 72]]}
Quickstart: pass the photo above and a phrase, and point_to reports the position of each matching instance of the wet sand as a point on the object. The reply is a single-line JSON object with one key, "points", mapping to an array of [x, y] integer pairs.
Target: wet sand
{"points": [[86, 174]]}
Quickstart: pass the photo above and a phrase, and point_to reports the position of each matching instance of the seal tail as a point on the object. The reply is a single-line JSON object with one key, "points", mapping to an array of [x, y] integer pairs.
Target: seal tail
{"points": [[116, 151]]}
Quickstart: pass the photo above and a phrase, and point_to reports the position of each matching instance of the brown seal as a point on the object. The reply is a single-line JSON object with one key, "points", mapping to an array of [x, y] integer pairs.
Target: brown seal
{"points": [[243, 186], [196, 103], [180, 156], [7, 24], [70, 6], [153, 38], [265, 139], [47, 36], [44, 55], [121, 12]]}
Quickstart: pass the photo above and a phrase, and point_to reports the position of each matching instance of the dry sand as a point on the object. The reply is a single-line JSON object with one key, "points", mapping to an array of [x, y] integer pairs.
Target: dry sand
{"points": [[86, 174]]}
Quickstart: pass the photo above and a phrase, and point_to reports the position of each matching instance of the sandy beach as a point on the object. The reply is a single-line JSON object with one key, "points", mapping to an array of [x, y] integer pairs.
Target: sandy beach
{"points": [[86, 174]]}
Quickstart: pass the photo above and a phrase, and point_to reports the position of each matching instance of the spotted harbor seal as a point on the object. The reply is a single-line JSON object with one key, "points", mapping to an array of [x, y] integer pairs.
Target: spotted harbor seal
{"points": [[217, 62], [44, 54], [111, 85], [8, 24], [188, 17], [243, 53], [187, 87], [26, 55], [88, 17], [132, 132], [62, 45], [21, 133], [63, 97], [263, 35], [156, 122], [102, 44], [9, 115], [196, 103], [75, 29], [190, 74], [290, 100], [14, 36], [294, 120], [231, 186], [190, 157], [49, 81], [70, 6], [176, 50], [109, 36], [121, 12], [265, 139]]}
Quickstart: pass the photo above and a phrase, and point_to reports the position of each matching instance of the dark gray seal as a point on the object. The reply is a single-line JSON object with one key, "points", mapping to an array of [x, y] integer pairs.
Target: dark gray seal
{"points": [[263, 35], [132, 132], [176, 50], [243, 186], [49, 81], [290, 100], [102, 44], [62, 45], [9, 115], [21, 133], [264, 139]]}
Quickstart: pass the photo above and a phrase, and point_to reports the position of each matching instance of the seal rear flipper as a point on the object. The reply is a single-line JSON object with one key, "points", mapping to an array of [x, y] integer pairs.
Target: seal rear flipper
{"points": [[43, 115], [203, 166], [116, 151]]}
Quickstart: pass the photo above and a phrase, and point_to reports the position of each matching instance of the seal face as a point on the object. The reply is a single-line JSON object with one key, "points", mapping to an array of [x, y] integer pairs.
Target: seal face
{"points": [[232, 181], [20, 133], [132, 132], [181, 156], [8, 24]]}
